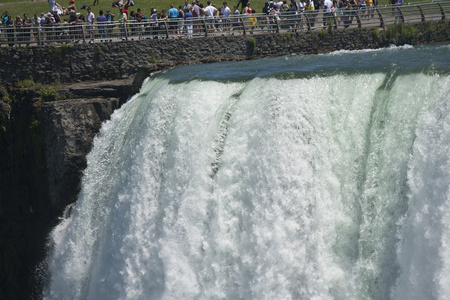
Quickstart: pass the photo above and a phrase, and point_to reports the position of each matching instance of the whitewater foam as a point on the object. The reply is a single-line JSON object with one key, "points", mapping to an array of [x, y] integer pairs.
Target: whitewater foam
{"points": [[303, 188]]}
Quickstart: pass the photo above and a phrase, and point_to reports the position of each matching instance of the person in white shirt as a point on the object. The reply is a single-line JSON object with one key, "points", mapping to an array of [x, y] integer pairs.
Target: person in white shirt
{"points": [[210, 12], [327, 16], [226, 11]]}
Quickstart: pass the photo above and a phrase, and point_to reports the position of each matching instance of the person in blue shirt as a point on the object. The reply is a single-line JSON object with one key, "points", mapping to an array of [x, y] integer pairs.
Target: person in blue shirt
{"points": [[172, 14], [189, 24]]}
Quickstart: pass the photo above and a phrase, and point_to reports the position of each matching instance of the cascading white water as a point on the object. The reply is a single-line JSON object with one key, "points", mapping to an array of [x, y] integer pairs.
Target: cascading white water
{"points": [[270, 188]]}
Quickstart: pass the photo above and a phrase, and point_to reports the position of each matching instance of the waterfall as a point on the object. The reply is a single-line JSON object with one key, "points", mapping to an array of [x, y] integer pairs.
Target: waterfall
{"points": [[283, 186]]}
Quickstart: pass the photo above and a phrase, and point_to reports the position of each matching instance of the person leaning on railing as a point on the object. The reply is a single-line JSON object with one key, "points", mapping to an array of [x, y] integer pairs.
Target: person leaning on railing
{"points": [[310, 9], [9, 24], [122, 16], [327, 16]]}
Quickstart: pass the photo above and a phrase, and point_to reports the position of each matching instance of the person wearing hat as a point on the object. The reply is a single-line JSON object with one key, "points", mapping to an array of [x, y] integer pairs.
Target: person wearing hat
{"points": [[154, 22]]}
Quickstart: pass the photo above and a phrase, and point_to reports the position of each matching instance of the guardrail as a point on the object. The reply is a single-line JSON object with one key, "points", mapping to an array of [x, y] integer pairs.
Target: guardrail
{"points": [[234, 25]]}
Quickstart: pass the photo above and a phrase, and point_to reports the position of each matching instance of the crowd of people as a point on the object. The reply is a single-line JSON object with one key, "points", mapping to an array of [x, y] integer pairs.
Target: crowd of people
{"points": [[188, 12]]}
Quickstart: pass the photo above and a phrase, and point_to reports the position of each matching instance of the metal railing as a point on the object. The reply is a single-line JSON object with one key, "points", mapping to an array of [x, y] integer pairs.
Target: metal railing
{"points": [[234, 25]]}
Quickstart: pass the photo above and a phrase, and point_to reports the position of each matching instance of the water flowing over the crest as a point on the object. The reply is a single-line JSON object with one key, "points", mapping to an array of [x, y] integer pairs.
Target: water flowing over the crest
{"points": [[309, 177]]}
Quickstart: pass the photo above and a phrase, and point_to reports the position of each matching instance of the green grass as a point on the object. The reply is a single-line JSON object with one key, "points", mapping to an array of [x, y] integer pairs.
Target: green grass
{"points": [[19, 7]]}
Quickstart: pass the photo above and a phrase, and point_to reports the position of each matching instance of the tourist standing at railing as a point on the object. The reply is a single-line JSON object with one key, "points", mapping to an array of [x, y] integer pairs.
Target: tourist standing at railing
{"points": [[173, 15], [265, 9], [73, 19], [56, 17], [225, 11], [122, 16], [362, 8], [369, 7], [210, 12], [90, 17], [36, 21], [180, 19], [310, 8], [101, 20], [236, 13], [186, 6], [396, 10], [27, 24], [189, 24], [327, 16], [18, 28], [195, 9], [9, 24], [248, 9], [26, 20], [154, 22], [354, 6]]}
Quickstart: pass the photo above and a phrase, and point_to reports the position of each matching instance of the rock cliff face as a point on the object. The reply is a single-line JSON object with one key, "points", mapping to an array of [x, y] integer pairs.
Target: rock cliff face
{"points": [[43, 149], [43, 145], [70, 127]]}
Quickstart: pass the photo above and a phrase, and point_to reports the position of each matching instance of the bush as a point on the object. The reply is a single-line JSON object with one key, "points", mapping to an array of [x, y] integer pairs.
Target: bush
{"points": [[48, 95]]}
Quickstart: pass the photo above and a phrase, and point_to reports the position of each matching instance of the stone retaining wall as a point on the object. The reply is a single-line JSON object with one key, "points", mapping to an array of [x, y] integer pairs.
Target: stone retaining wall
{"points": [[119, 60]]}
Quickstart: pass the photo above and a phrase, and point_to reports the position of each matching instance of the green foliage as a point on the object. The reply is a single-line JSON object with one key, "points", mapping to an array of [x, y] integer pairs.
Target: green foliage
{"points": [[375, 34], [27, 83], [154, 58], [331, 27], [273, 45], [251, 42], [287, 37], [322, 33], [34, 124], [99, 50], [5, 95], [409, 33], [399, 32], [48, 95]]}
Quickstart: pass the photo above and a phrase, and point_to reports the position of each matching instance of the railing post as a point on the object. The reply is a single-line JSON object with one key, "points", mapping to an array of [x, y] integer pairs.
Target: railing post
{"points": [[380, 16], [243, 25], [307, 21], [442, 11], [205, 26], [167, 29], [421, 13], [335, 20], [125, 28], [358, 19], [83, 28], [277, 21], [401, 14]]}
